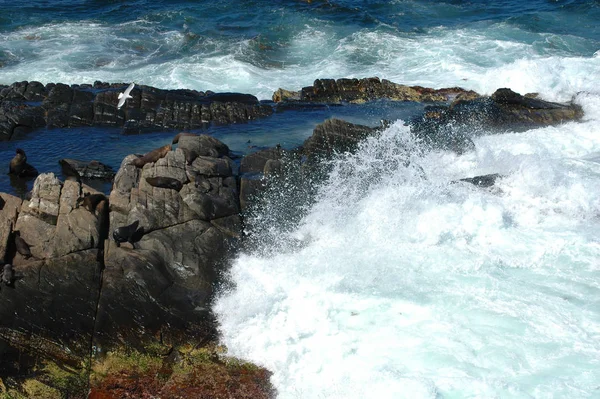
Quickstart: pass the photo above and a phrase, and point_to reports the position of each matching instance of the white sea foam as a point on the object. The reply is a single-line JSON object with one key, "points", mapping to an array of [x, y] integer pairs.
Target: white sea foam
{"points": [[482, 59], [410, 286]]}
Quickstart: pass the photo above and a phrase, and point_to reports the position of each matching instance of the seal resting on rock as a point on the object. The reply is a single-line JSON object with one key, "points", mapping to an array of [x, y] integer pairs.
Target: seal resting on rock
{"points": [[22, 246], [152, 156], [129, 234], [164, 182], [19, 166], [91, 201], [8, 275]]}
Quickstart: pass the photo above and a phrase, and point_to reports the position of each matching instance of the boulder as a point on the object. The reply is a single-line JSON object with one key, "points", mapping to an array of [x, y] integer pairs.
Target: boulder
{"points": [[86, 169], [255, 162], [335, 135]]}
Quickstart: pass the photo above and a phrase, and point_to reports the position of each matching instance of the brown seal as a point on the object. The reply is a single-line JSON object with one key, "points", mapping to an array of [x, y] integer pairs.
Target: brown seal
{"points": [[182, 134], [19, 166], [130, 233], [152, 156], [164, 182], [91, 201], [190, 155], [22, 246]]}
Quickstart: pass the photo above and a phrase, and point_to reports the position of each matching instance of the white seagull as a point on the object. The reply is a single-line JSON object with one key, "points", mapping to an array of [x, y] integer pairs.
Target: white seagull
{"points": [[125, 95]]}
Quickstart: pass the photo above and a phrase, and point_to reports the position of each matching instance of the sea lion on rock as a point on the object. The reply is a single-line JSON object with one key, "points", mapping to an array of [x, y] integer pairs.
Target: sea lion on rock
{"points": [[2, 202], [129, 234], [8, 275], [164, 182], [91, 201], [152, 156], [19, 166], [179, 135], [190, 155], [22, 246]]}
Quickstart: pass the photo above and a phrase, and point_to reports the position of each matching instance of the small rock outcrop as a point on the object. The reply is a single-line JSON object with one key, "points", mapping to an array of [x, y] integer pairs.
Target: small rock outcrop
{"points": [[367, 89], [86, 169], [452, 126], [335, 135]]}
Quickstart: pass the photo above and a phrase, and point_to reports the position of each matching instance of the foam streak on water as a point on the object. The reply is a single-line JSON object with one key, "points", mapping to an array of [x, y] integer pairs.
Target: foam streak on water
{"points": [[410, 286], [481, 56]]}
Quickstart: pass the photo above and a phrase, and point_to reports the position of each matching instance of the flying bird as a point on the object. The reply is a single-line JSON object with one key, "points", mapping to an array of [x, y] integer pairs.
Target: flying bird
{"points": [[125, 95]]}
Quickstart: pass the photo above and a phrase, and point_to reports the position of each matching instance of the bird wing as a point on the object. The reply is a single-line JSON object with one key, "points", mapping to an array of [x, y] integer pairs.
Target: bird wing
{"points": [[128, 90]]}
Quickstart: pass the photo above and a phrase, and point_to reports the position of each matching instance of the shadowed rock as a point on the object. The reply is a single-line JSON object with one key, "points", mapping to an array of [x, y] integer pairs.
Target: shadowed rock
{"points": [[50, 314], [335, 135], [86, 169], [452, 126], [25, 106], [483, 181], [8, 275]]}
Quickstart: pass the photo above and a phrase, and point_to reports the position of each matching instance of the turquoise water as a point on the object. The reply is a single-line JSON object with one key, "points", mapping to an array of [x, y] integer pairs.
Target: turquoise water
{"points": [[394, 283]]}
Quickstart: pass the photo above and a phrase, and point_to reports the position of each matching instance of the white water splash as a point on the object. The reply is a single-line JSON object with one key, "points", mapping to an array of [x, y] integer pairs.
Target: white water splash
{"points": [[410, 286]]}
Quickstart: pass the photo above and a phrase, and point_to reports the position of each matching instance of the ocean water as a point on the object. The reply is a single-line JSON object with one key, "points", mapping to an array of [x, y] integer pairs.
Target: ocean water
{"points": [[395, 282]]}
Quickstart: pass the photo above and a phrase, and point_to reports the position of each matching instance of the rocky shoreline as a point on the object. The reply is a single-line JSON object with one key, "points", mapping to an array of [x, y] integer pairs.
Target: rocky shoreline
{"points": [[83, 293]]}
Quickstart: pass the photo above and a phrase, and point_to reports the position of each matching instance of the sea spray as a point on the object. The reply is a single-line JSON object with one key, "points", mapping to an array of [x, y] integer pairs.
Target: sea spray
{"points": [[411, 284]]}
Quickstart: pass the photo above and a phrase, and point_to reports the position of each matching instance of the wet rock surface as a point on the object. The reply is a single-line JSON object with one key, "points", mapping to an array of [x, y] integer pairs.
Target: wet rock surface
{"points": [[86, 169], [25, 106], [366, 89], [451, 126]]}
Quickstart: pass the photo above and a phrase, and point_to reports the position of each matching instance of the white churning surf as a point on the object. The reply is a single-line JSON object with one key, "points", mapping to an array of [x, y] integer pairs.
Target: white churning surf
{"points": [[481, 57], [411, 286]]}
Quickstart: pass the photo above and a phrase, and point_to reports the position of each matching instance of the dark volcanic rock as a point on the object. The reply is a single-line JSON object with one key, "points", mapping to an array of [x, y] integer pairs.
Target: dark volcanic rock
{"points": [[164, 285], [255, 162], [483, 180], [78, 288], [86, 169], [450, 127], [49, 311], [29, 105], [367, 89], [335, 135]]}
